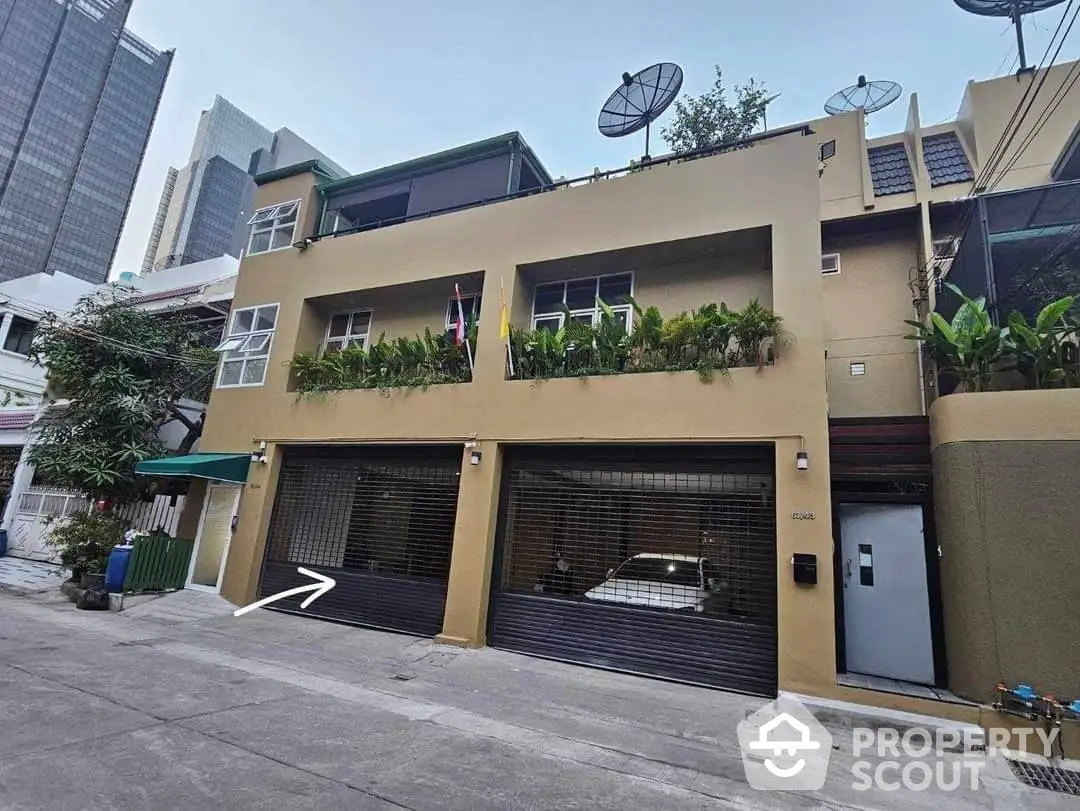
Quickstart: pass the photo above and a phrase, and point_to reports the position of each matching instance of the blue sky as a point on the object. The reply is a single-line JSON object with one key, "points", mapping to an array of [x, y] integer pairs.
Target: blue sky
{"points": [[372, 83]]}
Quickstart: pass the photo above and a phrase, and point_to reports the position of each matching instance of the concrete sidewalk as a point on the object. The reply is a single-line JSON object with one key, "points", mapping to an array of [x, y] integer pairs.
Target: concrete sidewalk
{"points": [[180, 704]]}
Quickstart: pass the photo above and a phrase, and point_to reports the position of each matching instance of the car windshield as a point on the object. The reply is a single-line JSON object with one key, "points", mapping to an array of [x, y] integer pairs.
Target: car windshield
{"points": [[660, 570]]}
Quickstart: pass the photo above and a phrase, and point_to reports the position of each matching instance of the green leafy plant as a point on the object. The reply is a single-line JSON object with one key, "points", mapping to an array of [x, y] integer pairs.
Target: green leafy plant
{"points": [[83, 542], [753, 328], [707, 340], [123, 372], [971, 347], [709, 119], [424, 360], [1045, 351]]}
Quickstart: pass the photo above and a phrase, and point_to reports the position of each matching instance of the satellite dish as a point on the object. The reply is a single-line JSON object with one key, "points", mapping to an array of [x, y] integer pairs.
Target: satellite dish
{"points": [[863, 95], [1014, 10], [640, 100]]}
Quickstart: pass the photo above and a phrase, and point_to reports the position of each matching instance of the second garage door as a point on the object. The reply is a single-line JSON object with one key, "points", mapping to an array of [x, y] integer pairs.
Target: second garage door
{"points": [[653, 560], [379, 521]]}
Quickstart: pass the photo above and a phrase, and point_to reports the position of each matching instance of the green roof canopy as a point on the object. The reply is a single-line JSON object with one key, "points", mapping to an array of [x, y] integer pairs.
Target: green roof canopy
{"points": [[229, 467]]}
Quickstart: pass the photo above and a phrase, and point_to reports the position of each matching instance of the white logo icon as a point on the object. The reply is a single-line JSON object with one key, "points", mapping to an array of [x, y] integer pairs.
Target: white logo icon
{"points": [[784, 747]]}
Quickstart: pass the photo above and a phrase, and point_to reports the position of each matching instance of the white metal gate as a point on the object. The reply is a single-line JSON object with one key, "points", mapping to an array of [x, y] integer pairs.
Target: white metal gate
{"points": [[29, 533], [161, 513]]}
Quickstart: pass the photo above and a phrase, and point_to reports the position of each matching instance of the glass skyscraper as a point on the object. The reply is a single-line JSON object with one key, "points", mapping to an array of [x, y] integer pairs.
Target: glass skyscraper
{"points": [[78, 97], [205, 206]]}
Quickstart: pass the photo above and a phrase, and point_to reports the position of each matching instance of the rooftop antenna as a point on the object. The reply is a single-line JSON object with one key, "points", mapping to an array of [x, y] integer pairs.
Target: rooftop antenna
{"points": [[765, 111], [640, 100], [863, 95], [1015, 10]]}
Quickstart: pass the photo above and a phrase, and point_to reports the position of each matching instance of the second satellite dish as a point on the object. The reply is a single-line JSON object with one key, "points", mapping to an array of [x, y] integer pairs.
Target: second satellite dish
{"points": [[863, 95], [640, 100]]}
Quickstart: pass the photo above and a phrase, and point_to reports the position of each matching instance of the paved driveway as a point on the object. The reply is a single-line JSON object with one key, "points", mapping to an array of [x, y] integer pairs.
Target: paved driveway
{"points": [[176, 704]]}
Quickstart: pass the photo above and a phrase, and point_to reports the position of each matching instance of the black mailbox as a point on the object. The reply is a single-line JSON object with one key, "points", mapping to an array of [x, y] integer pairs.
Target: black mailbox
{"points": [[805, 567]]}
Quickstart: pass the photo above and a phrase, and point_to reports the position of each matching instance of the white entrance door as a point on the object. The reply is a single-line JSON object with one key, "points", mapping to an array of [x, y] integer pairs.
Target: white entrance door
{"points": [[886, 597], [212, 540]]}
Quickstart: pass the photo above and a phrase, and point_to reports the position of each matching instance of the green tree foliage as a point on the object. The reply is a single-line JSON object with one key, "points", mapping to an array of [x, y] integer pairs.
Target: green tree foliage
{"points": [[117, 375], [709, 119]]}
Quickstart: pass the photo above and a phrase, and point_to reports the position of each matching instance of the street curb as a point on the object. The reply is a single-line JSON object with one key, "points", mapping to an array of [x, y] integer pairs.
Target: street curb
{"points": [[844, 716]]}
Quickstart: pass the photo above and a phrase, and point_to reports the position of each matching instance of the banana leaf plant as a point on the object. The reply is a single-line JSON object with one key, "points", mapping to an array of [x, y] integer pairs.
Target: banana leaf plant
{"points": [[1045, 351], [971, 347]]}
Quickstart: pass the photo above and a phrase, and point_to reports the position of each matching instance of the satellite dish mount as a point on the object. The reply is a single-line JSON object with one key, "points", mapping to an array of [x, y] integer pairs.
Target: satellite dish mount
{"points": [[1015, 10], [863, 95], [640, 100]]}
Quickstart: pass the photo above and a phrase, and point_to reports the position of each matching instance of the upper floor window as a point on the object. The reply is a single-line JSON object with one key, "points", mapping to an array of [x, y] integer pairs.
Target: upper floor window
{"points": [[347, 329], [273, 227], [246, 348], [20, 335], [470, 306], [830, 264], [552, 300]]}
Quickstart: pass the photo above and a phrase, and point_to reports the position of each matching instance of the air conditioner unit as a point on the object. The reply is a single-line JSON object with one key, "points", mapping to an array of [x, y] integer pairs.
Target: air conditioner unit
{"points": [[946, 248]]}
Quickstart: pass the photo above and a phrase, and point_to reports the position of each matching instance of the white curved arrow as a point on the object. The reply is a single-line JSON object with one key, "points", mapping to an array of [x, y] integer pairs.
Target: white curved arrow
{"points": [[317, 589]]}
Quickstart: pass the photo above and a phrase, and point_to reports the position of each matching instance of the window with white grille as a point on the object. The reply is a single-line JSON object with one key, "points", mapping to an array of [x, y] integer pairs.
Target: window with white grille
{"points": [[579, 297], [830, 264], [245, 350], [273, 227], [347, 329]]}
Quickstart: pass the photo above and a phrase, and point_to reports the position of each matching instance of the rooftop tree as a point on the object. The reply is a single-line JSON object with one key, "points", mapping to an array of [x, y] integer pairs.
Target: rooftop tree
{"points": [[709, 119], [116, 376]]}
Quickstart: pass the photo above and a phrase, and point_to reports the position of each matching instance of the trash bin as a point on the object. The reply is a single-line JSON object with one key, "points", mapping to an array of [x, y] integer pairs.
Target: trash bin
{"points": [[3, 542], [116, 569]]}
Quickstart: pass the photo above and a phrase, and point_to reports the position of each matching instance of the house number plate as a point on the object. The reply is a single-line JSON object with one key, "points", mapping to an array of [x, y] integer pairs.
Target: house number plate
{"points": [[805, 515]]}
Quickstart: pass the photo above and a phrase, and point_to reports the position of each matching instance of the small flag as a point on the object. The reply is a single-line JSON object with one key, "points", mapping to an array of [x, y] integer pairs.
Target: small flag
{"points": [[504, 327], [459, 327], [460, 336]]}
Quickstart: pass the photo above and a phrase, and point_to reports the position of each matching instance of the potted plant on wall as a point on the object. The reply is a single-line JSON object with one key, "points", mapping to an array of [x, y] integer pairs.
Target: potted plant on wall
{"points": [[970, 347], [1045, 351], [83, 543]]}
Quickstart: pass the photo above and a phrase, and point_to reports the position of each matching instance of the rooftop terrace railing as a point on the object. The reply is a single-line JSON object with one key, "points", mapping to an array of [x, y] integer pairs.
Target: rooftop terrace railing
{"points": [[637, 166]]}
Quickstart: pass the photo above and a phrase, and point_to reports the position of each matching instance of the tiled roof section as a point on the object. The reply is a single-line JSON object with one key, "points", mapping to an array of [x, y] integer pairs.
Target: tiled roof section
{"points": [[945, 160], [890, 170], [15, 420]]}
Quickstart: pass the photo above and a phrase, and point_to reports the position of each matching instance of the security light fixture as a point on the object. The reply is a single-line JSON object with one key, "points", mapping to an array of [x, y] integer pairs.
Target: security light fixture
{"points": [[802, 460]]}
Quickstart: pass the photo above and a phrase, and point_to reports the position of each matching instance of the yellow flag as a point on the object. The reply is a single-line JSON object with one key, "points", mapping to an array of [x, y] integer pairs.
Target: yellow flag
{"points": [[504, 316]]}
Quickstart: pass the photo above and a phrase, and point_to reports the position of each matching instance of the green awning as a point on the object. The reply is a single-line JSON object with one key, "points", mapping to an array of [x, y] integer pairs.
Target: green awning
{"points": [[228, 467]]}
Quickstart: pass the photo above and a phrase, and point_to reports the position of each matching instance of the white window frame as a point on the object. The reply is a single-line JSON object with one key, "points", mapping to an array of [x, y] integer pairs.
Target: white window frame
{"points": [[833, 271], [267, 220], [593, 311], [452, 311], [349, 338], [244, 346]]}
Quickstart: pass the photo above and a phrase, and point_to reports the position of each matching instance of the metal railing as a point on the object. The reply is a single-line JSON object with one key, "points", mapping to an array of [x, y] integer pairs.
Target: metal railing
{"points": [[158, 563], [637, 166]]}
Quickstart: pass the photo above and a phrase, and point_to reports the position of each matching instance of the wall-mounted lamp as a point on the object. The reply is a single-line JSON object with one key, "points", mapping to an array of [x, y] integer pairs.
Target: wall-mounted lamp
{"points": [[474, 457], [259, 454], [802, 460]]}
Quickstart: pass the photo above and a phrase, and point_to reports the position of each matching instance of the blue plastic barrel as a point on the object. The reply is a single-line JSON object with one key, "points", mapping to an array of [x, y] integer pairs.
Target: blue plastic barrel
{"points": [[116, 570]]}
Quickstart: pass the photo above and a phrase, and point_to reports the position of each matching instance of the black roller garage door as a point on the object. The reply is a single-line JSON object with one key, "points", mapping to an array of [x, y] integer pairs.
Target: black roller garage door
{"points": [[653, 560], [380, 522]]}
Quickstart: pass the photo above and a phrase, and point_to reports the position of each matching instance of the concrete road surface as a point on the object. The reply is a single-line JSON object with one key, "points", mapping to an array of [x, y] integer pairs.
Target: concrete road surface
{"points": [[177, 704]]}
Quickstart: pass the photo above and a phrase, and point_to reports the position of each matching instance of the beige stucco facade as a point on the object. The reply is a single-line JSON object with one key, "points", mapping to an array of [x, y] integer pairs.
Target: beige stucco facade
{"points": [[1006, 471], [733, 227]]}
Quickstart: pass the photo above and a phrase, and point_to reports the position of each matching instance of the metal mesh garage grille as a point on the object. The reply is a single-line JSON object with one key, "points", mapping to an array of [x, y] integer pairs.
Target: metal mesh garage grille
{"points": [[1049, 778], [645, 539], [381, 523], [662, 562], [393, 517]]}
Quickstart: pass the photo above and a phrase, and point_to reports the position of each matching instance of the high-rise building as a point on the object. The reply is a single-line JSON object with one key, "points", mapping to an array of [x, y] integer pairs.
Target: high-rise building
{"points": [[78, 97], [205, 206]]}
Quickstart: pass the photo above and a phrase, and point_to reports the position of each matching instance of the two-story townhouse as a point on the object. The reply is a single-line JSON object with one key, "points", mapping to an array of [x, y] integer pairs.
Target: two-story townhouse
{"points": [[761, 519]]}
